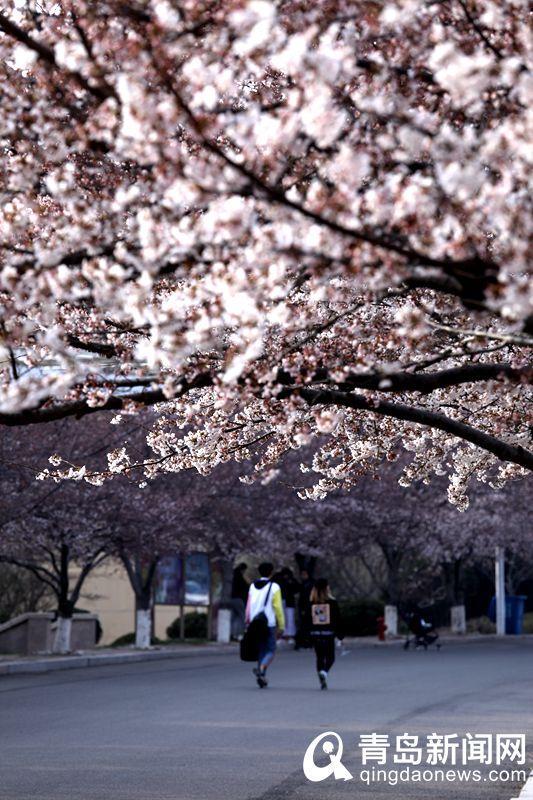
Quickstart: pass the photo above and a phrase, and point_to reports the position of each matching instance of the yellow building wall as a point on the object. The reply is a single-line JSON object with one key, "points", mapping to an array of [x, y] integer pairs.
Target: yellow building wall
{"points": [[107, 592]]}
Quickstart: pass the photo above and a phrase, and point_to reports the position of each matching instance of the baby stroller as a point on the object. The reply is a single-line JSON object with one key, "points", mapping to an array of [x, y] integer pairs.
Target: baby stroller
{"points": [[424, 633]]}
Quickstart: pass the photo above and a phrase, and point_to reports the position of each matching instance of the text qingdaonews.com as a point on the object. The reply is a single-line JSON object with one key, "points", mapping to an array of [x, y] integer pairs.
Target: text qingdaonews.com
{"points": [[408, 775]]}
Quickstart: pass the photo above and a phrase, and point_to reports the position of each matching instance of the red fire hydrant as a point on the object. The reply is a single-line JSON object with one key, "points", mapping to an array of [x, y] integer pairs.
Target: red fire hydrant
{"points": [[381, 628]]}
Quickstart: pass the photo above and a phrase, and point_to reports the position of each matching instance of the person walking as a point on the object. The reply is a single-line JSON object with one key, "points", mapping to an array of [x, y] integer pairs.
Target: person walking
{"points": [[264, 597], [289, 589], [302, 634], [324, 626], [239, 596]]}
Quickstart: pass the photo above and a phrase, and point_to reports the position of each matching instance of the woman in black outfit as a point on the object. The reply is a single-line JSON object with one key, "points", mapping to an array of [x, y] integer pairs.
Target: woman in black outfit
{"points": [[324, 626]]}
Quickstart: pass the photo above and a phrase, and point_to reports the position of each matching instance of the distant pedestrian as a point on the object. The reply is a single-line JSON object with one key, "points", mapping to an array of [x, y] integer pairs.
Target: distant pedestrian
{"points": [[239, 596], [264, 597], [324, 626], [302, 633], [289, 589]]}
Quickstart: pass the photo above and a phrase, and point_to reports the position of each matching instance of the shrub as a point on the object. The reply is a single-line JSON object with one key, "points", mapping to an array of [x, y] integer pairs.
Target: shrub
{"points": [[195, 626], [480, 625], [359, 616], [125, 639], [129, 638]]}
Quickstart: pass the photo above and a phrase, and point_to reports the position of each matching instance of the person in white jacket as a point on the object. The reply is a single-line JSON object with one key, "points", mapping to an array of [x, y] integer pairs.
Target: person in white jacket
{"points": [[265, 596]]}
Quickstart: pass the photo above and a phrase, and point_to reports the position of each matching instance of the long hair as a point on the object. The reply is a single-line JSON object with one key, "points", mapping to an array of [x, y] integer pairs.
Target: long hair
{"points": [[320, 592]]}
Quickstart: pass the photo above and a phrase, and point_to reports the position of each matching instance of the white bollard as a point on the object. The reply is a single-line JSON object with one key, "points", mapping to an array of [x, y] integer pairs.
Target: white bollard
{"points": [[224, 625], [391, 620], [458, 619]]}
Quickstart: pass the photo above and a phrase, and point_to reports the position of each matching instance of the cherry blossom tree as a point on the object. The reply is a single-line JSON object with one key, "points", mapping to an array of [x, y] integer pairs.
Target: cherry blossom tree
{"points": [[383, 536], [279, 223], [60, 549], [185, 512], [57, 534], [152, 525], [406, 539], [412, 547], [61, 531], [60, 534], [487, 528]]}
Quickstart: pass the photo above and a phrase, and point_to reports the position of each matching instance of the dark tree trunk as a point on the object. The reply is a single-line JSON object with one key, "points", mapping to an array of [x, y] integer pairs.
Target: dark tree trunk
{"points": [[226, 572], [452, 574], [65, 606], [306, 562], [393, 560], [141, 575]]}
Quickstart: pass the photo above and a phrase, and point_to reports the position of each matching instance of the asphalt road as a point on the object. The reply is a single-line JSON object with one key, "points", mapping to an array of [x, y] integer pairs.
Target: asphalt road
{"points": [[198, 728]]}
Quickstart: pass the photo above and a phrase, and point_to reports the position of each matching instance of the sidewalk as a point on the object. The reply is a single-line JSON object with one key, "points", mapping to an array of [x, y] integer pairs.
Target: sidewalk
{"points": [[11, 665]]}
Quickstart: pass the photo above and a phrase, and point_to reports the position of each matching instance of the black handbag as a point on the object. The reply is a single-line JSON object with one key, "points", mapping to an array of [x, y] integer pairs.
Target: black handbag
{"points": [[255, 633]]}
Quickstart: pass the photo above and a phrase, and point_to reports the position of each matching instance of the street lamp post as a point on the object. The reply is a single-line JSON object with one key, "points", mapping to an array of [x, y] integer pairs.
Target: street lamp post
{"points": [[500, 590]]}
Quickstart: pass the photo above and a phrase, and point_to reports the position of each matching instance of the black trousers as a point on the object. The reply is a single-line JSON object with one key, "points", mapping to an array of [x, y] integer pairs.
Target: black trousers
{"points": [[325, 652]]}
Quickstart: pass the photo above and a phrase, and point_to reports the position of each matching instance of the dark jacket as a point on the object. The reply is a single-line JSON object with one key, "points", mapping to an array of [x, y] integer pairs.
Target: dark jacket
{"points": [[239, 586], [289, 588], [303, 597], [324, 619]]}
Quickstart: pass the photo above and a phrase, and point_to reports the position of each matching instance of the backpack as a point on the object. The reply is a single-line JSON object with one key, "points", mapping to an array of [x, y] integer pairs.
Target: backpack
{"points": [[255, 633]]}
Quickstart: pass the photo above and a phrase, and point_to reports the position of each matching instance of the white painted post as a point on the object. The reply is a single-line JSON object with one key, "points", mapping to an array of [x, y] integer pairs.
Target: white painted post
{"points": [[63, 635], [499, 574], [458, 619], [224, 625], [391, 620], [143, 628]]}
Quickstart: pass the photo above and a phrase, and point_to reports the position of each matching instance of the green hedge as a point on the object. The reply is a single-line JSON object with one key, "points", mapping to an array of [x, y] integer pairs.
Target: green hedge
{"points": [[129, 638], [195, 626], [359, 616]]}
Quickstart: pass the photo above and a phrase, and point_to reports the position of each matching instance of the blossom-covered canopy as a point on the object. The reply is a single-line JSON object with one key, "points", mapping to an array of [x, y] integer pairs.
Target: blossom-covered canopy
{"points": [[277, 221]]}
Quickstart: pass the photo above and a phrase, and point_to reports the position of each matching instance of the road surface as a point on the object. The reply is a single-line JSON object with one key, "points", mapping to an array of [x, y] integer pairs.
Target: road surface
{"points": [[197, 728]]}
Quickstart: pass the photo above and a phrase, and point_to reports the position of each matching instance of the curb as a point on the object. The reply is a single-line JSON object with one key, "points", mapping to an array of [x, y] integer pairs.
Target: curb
{"points": [[98, 660], [464, 639], [444, 639]]}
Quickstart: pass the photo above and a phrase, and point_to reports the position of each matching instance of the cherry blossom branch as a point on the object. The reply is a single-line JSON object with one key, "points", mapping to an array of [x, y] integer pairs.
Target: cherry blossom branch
{"points": [[479, 30], [386, 382], [101, 348], [502, 337], [440, 379], [81, 408], [46, 54], [96, 559], [454, 353], [468, 266], [423, 382], [72, 259], [40, 572], [421, 416]]}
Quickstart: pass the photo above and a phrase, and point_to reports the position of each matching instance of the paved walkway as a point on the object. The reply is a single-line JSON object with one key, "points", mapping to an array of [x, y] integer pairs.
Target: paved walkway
{"points": [[197, 728]]}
